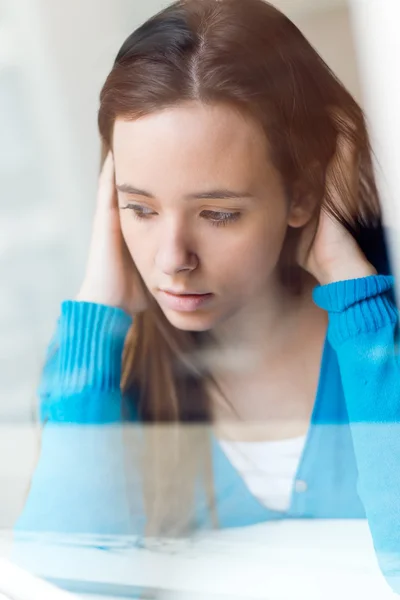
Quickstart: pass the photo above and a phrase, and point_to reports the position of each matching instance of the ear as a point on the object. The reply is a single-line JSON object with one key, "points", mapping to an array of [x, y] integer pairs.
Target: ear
{"points": [[302, 206]]}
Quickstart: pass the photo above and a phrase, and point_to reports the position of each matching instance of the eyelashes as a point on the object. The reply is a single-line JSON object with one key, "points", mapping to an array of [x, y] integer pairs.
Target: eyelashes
{"points": [[140, 212], [217, 218], [220, 218]]}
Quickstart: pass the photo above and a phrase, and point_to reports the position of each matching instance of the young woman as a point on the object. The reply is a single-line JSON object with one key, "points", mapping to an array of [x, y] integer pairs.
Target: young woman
{"points": [[232, 304]]}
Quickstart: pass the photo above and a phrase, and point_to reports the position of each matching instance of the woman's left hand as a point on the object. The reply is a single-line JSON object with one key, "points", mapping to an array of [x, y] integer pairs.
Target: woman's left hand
{"points": [[335, 254]]}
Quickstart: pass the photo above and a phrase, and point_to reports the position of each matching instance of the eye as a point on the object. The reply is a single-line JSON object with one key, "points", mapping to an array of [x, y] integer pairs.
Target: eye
{"points": [[220, 218], [139, 211]]}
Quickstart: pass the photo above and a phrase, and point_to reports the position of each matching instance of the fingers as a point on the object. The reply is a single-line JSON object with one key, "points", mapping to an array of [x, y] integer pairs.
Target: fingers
{"points": [[107, 195], [344, 167], [347, 151], [343, 173], [348, 158]]}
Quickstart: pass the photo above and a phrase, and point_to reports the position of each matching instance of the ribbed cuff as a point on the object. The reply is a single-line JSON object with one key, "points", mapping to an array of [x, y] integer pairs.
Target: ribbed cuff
{"points": [[357, 306], [92, 340]]}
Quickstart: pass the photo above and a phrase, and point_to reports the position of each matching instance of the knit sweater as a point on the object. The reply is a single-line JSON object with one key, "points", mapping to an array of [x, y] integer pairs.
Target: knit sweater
{"points": [[349, 467]]}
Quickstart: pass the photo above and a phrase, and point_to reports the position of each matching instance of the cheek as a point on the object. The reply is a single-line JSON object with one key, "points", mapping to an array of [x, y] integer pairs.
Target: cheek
{"points": [[249, 267], [139, 246], [254, 255]]}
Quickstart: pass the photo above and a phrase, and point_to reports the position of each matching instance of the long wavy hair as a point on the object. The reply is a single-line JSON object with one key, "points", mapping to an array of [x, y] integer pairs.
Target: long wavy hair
{"points": [[245, 54]]}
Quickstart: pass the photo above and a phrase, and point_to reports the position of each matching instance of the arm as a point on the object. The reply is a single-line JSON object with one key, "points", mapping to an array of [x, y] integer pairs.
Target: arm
{"points": [[363, 321], [79, 485]]}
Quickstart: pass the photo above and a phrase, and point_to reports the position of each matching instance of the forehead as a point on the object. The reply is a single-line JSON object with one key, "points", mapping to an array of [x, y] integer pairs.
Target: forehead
{"points": [[193, 142]]}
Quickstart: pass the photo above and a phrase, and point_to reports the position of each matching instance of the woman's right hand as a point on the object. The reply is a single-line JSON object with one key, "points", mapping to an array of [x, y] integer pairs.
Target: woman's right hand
{"points": [[110, 277]]}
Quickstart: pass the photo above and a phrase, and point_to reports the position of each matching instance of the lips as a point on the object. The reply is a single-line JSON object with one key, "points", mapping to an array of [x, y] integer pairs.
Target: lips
{"points": [[183, 292], [184, 302]]}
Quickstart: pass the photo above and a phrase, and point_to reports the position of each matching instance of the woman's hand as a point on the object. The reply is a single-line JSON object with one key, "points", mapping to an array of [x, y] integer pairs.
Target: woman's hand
{"points": [[335, 255], [110, 278]]}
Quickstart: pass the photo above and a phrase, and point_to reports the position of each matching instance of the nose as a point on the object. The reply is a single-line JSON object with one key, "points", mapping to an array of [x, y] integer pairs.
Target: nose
{"points": [[174, 254]]}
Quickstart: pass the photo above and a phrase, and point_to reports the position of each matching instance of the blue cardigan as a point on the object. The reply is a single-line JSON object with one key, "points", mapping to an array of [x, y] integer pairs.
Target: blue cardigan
{"points": [[350, 467]]}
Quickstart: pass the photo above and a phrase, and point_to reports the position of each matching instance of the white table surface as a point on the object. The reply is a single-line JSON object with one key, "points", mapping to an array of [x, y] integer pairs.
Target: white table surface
{"points": [[310, 560]]}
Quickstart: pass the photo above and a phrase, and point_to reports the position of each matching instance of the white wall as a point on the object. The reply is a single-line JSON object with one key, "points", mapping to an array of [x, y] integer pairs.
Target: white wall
{"points": [[375, 27]]}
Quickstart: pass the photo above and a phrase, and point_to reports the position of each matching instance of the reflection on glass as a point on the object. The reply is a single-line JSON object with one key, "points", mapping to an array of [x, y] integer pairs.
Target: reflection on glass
{"points": [[223, 392]]}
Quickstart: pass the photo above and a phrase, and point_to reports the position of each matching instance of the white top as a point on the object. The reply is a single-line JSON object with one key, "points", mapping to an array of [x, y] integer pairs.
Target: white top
{"points": [[268, 468]]}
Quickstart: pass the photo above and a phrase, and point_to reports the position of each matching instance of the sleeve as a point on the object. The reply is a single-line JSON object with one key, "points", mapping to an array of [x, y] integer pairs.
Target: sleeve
{"points": [[80, 483], [363, 330]]}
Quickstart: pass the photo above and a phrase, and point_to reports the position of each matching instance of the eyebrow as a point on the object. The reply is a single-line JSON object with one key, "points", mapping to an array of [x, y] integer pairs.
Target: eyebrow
{"points": [[219, 194]]}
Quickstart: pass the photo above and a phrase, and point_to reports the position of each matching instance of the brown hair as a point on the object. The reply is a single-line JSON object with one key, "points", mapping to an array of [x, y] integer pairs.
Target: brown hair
{"points": [[247, 54]]}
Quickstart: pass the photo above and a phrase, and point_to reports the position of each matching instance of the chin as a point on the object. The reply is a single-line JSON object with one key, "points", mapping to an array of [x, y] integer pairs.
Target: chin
{"points": [[196, 321]]}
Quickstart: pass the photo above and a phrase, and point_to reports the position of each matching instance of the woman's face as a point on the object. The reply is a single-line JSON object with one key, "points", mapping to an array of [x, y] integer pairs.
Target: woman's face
{"points": [[203, 211]]}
